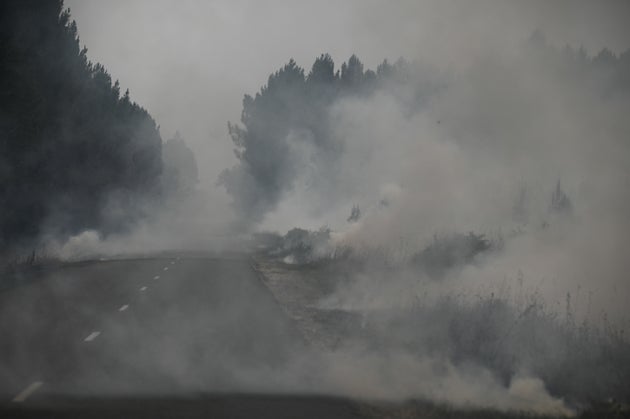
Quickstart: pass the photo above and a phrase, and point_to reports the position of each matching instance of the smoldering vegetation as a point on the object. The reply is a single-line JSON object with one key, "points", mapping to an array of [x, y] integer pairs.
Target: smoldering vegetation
{"points": [[437, 326], [452, 234], [470, 218]]}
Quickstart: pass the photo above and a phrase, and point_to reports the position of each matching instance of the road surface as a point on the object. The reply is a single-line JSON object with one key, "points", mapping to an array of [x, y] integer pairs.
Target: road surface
{"points": [[158, 337]]}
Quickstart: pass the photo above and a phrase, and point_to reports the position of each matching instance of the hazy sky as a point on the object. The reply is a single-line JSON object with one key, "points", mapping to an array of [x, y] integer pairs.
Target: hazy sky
{"points": [[190, 62]]}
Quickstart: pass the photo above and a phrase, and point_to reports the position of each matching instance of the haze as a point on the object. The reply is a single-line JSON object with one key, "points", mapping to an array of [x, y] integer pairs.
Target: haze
{"points": [[422, 203], [190, 62]]}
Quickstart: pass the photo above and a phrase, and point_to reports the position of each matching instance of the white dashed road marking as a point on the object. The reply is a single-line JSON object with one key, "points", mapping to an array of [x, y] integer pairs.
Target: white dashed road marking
{"points": [[172, 262], [27, 392], [156, 277], [166, 268], [124, 307], [92, 336], [143, 289]]}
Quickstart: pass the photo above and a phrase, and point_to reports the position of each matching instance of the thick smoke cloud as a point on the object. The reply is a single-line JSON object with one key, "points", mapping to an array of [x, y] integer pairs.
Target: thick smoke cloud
{"points": [[190, 62], [486, 128], [500, 129], [543, 118], [189, 88], [527, 147]]}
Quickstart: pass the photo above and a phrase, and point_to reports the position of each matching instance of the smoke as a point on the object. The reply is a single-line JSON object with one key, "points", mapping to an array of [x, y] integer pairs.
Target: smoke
{"points": [[495, 118], [177, 226], [204, 56], [482, 130], [486, 153], [528, 147], [400, 375]]}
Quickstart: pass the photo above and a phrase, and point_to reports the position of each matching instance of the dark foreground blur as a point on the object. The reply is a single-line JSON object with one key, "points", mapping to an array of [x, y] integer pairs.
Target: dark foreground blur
{"points": [[236, 406]]}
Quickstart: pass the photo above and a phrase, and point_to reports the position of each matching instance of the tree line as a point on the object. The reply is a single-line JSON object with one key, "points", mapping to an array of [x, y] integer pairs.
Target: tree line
{"points": [[294, 105], [294, 108], [75, 153]]}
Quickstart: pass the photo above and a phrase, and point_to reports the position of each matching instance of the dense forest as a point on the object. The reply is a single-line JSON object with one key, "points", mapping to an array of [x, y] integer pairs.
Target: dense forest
{"points": [[75, 153]]}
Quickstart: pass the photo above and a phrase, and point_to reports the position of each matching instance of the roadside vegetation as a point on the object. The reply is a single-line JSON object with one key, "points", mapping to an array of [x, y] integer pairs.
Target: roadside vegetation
{"points": [[584, 363]]}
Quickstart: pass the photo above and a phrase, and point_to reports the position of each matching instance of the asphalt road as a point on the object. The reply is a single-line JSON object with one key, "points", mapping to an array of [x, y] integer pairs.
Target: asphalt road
{"points": [[164, 337]]}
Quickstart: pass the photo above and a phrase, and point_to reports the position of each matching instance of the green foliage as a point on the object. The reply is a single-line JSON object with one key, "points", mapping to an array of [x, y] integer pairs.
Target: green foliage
{"points": [[69, 142]]}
